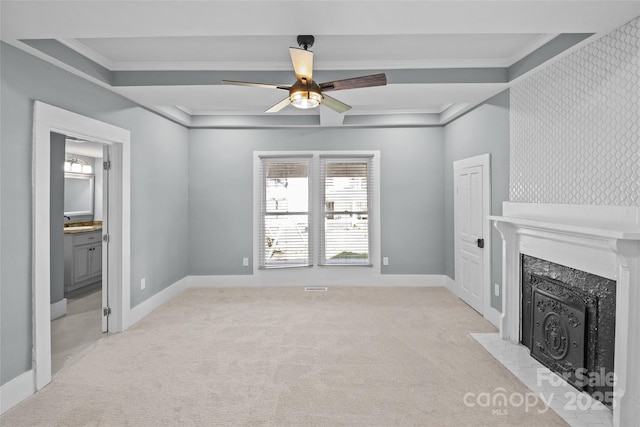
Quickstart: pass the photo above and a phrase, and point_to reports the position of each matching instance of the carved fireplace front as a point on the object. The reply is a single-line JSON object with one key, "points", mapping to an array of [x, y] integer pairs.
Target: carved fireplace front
{"points": [[568, 323]]}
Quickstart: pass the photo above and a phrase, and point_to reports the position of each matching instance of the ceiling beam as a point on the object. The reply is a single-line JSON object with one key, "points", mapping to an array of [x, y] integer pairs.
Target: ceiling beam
{"points": [[328, 117]]}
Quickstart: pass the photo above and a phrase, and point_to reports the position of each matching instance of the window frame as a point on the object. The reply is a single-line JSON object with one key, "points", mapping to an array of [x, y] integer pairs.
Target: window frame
{"points": [[322, 176], [317, 210], [265, 160]]}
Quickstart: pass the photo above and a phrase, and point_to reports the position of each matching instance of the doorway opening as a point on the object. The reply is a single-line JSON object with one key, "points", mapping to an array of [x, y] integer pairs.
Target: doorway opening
{"points": [[114, 241], [79, 263]]}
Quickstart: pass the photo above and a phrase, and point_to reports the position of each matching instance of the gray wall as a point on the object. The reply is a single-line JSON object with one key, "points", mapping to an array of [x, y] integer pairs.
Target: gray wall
{"points": [[57, 217], [191, 190], [483, 130], [221, 188], [159, 201]]}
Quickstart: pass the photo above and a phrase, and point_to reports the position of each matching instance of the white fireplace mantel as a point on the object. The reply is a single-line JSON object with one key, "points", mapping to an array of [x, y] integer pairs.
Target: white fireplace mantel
{"points": [[601, 240]]}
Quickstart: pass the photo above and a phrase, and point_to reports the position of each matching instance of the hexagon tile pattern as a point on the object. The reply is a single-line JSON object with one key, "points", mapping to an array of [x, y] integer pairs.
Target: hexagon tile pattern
{"points": [[575, 126]]}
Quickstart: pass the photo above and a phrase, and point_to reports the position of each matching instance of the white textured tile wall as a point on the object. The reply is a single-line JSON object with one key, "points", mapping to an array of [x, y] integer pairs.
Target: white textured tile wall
{"points": [[575, 126]]}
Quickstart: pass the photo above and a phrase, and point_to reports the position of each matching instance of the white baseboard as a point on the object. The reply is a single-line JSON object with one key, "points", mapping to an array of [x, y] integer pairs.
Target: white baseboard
{"points": [[493, 316], [280, 278], [16, 390], [450, 283], [228, 281], [58, 309], [150, 304]]}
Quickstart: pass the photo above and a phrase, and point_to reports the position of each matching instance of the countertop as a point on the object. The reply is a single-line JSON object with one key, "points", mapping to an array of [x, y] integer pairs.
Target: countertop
{"points": [[74, 227]]}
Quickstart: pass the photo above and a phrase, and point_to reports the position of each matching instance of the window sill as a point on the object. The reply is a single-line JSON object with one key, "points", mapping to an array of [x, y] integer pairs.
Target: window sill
{"points": [[346, 265], [280, 267]]}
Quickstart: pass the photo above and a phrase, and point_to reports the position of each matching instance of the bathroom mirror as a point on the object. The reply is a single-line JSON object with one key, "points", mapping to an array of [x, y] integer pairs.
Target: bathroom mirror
{"points": [[78, 194]]}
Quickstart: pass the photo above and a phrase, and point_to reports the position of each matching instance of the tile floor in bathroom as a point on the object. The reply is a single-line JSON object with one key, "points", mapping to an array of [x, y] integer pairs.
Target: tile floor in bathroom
{"points": [[75, 333]]}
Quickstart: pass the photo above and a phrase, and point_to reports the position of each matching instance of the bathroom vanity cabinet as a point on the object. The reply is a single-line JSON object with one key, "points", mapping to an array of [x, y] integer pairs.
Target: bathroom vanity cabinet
{"points": [[82, 259]]}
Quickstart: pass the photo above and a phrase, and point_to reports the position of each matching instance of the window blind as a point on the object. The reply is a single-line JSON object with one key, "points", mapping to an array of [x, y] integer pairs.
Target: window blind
{"points": [[285, 205], [346, 193]]}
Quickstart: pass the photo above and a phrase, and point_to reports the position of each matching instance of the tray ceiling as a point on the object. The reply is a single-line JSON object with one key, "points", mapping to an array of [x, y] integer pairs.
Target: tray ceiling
{"points": [[441, 58]]}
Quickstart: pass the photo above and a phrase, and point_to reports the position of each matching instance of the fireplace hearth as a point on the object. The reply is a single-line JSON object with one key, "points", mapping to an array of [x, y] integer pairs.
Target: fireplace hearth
{"points": [[568, 323]]}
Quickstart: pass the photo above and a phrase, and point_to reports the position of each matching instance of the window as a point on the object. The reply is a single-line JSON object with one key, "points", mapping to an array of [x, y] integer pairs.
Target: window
{"points": [[317, 197], [285, 212], [346, 201]]}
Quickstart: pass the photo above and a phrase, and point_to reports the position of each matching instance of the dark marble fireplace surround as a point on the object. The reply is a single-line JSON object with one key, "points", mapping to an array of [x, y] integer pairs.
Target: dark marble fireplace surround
{"points": [[568, 323]]}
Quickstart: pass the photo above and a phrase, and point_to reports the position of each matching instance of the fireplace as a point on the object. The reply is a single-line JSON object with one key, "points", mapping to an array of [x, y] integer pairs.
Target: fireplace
{"points": [[568, 323], [598, 240]]}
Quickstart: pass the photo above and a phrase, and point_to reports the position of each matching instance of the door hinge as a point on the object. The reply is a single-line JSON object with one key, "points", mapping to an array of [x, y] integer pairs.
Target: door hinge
{"points": [[480, 243], [106, 238], [106, 165], [106, 311]]}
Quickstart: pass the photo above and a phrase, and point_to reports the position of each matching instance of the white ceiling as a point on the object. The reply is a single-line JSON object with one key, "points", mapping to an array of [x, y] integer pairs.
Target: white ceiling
{"points": [[331, 51], [136, 43], [83, 148]]}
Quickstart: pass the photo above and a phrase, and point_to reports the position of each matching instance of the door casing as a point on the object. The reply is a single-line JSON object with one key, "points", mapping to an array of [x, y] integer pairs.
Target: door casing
{"points": [[47, 119], [483, 160]]}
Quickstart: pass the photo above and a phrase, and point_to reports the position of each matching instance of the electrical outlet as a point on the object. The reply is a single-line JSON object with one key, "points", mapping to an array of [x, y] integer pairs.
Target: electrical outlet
{"points": [[496, 289], [245, 262], [385, 260], [143, 283]]}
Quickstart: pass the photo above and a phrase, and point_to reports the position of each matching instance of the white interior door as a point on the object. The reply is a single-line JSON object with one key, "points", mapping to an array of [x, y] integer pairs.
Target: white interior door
{"points": [[469, 222], [105, 241]]}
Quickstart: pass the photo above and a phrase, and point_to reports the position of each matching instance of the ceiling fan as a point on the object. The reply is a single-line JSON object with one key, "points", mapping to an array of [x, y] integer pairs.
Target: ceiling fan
{"points": [[306, 93]]}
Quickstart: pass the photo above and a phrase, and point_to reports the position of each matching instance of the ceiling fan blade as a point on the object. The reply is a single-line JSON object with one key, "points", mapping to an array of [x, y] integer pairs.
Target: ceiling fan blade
{"points": [[334, 104], [302, 63], [265, 85], [279, 106], [356, 82]]}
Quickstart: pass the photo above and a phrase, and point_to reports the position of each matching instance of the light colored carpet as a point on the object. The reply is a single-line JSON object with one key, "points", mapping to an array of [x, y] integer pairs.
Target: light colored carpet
{"points": [[285, 357]]}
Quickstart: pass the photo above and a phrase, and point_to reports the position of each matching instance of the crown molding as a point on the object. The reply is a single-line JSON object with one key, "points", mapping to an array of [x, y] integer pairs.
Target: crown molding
{"points": [[84, 50], [95, 56]]}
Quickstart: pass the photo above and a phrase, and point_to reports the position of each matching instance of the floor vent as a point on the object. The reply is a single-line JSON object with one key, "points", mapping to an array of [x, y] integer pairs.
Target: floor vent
{"points": [[316, 289]]}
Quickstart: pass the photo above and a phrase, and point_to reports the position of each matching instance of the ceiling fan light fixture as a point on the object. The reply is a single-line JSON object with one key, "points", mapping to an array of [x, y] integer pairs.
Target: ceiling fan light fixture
{"points": [[305, 99], [305, 93]]}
